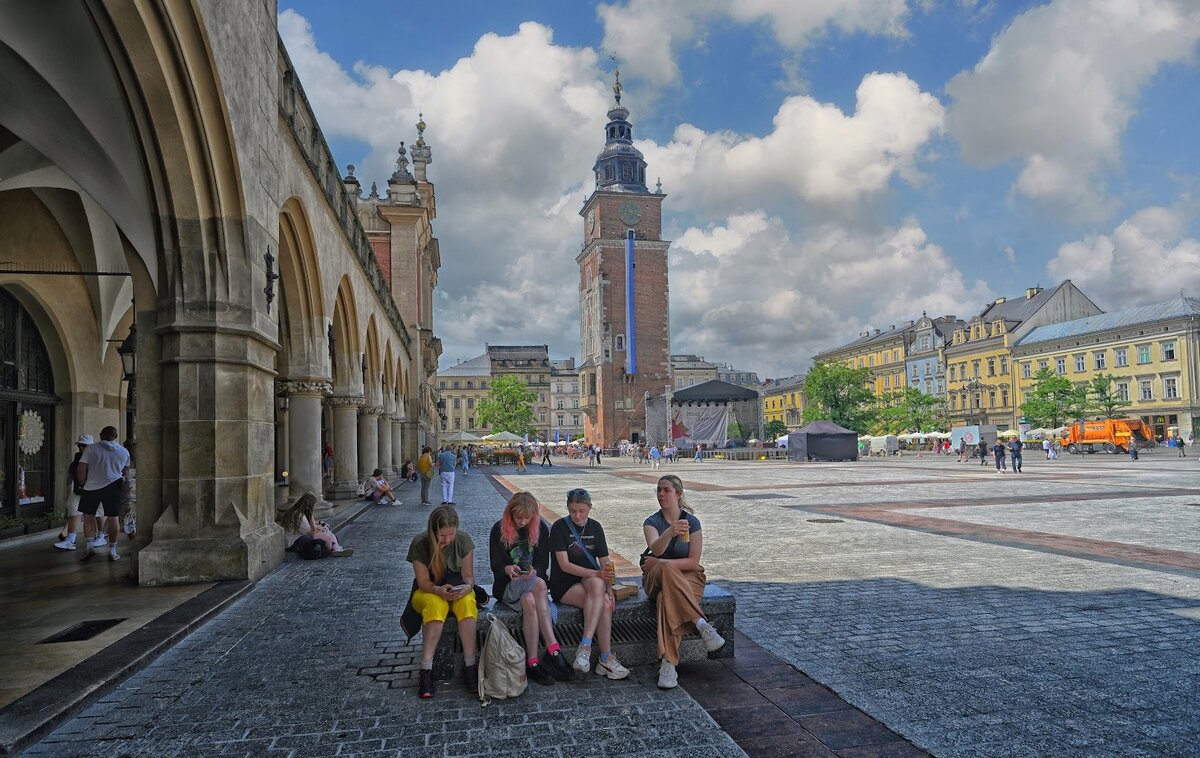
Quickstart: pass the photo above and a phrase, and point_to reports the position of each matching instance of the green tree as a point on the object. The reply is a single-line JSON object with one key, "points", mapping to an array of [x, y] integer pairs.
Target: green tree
{"points": [[508, 406], [1054, 400], [1104, 396], [840, 393], [910, 409], [774, 430]]}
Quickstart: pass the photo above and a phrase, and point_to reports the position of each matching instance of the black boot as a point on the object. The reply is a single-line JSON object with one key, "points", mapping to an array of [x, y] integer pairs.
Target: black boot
{"points": [[471, 674], [558, 667], [538, 673], [425, 685]]}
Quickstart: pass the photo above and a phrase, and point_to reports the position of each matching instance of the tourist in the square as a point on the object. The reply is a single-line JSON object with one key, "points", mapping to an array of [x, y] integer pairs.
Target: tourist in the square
{"points": [[962, 450], [425, 469], [983, 452], [998, 451], [70, 530], [700, 452], [381, 492], [519, 549], [299, 520], [1015, 449], [1046, 446], [546, 456], [100, 472], [582, 577], [327, 460], [673, 575], [1179, 447], [521, 469], [443, 562], [446, 461], [464, 458], [655, 456]]}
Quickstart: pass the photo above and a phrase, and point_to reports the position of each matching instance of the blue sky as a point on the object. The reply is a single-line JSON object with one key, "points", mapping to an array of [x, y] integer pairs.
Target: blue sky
{"points": [[832, 165]]}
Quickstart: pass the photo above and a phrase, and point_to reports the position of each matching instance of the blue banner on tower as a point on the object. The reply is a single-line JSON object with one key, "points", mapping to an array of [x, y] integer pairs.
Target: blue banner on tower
{"points": [[630, 343]]}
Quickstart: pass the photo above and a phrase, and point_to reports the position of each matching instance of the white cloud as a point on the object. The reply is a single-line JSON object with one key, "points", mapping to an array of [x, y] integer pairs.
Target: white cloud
{"points": [[1147, 258], [1058, 87], [751, 293], [815, 153], [647, 34]]}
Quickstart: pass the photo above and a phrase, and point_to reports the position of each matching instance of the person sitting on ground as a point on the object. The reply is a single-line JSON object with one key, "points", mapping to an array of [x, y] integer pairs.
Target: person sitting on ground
{"points": [[582, 578], [520, 557], [299, 520], [381, 491], [408, 472], [673, 575], [443, 562]]}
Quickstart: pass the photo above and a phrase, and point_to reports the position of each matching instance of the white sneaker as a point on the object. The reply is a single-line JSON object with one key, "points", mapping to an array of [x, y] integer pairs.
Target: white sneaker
{"points": [[114, 556], [583, 658], [668, 678], [65, 545], [101, 541], [712, 640], [611, 668]]}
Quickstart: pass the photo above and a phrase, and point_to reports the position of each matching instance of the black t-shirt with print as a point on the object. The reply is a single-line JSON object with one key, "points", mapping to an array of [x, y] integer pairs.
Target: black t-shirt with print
{"points": [[502, 555], [592, 536]]}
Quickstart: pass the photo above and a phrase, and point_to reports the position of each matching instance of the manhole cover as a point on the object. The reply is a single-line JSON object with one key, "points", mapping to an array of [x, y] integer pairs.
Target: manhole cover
{"points": [[84, 630], [763, 496], [825, 521]]}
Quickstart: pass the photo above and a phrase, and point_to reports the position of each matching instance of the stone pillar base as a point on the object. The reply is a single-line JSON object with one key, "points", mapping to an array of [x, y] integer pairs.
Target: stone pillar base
{"points": [[342, 490], [210, 559]]}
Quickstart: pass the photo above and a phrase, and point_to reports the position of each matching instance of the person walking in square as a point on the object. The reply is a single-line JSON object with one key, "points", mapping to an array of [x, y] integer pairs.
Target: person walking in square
{"points": [[446, 461], [70, 531], [101, 472], [672, 574], [1016, 448], [425, 469], [983, 452], [998, 451], [464, 457], [1179, 446], [655, 456], [546, 456]]}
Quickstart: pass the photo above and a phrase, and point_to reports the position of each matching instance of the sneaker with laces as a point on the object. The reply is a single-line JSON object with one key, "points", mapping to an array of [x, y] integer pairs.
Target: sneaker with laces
{"points": [[114, 556], [425, 685], [101, 541], [712, 640], [611, 668], [345, 552], [668, 678], [88, 553], [539, 674], [65, 545], [583, 658]]}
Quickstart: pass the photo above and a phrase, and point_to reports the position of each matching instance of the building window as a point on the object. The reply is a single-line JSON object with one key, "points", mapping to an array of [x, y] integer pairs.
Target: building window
{"points": [[560, 405], [561, 419], [575, 403], [1004, 366], [1080, 363], [470, 422], [1043, 364], [1143, 353], [457, 403], [454, 385], [1004, 397], [952, 373], [441, 385], [1147, 389], [620, 341], [541, 397], [975, 368], [928, 369], [887, 382], [1170, 388], [1123, 391], [871, 361], [542, 417], [991, 366], [1121, 356], [1060, 365], [470, 384], [483, 385], [575, 419], [1026, 370], [1168, 350], [991, 399], [470, 402], [1099, 360], [458, 423], [886, 359], [925, 342]]}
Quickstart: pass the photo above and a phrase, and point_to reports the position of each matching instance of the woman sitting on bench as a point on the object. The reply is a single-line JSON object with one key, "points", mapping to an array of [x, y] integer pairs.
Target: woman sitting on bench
{"points": [[582, 578], [443, 561], [673, 573], [520, 557]]}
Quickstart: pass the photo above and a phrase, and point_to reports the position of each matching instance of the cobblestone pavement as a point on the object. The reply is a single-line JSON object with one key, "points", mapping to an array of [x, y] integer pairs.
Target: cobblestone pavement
{"points": [[312, 662], [1055, 612]]}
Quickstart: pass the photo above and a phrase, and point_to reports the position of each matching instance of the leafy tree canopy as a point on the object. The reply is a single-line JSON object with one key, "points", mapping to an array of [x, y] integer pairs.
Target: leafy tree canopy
{"points": [[508, 406], [910, 410], [840, 394], [1104, 396], [1054, 400], [774, 430]]}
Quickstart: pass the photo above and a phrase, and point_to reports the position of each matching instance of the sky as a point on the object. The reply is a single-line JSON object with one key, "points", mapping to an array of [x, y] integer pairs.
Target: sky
{"points": [[831, 165]]}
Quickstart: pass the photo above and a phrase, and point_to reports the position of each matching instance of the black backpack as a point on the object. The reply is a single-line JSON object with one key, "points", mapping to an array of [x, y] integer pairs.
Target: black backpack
{"points": [[309, 548]]}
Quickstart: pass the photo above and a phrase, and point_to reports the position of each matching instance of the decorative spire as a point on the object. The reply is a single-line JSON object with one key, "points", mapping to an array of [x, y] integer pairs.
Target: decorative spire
{"points": [[420, 130], [620, 167], [617, 85], [401, 173], [658, 186], [374, 191]]}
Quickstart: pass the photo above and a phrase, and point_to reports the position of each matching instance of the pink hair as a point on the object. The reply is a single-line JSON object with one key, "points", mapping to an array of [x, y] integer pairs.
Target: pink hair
{"points": [[526, 503]]}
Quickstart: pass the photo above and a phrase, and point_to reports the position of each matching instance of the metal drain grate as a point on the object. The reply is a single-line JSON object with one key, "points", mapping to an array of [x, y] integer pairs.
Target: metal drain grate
{"points": [[84, 630], [638, 630], [825, 521]]}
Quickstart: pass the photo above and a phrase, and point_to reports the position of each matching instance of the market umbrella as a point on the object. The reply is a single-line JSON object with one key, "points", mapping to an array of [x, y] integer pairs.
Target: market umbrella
{"points": [[503, 437], [1010, 433], [462, 436]]}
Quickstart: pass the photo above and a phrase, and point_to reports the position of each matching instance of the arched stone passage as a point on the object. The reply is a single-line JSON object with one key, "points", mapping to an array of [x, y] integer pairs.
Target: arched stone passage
{"points": [[369, 414], [347, 396]]}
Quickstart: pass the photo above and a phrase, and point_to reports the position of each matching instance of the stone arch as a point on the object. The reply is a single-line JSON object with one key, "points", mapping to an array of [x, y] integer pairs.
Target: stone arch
{"points": [[389, 378], [372, 356], [347, 376], [302, 336]]}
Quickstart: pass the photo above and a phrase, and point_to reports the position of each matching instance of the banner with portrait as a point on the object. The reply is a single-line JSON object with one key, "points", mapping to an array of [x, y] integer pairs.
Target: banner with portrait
{"points": [[706, 424]]}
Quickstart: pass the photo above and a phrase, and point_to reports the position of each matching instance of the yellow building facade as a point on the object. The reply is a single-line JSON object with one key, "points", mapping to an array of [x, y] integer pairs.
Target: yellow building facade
{"points": [[783, 400], [882, 351], [1151, 351], [463, 386]]}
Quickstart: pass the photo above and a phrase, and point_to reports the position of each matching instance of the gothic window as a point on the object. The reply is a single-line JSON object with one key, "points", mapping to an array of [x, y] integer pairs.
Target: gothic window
{"points": [[609, 174], [24, 363], [627, 172]]}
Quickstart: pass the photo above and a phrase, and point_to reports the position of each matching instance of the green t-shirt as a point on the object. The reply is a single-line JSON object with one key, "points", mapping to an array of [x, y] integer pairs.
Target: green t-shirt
{"points": [[453, 554]]}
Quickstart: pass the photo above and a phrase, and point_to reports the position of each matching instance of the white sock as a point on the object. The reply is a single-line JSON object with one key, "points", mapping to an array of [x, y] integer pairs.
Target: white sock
{"points": [[71, 537], [112, 550], [700, 624]]}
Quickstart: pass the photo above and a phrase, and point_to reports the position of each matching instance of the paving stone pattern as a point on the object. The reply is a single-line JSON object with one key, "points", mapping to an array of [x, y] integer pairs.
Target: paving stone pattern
{"points": [[312, 662], [965, 646]]}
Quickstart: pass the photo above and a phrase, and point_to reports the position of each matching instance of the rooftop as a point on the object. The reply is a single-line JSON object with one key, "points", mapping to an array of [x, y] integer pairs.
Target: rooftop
{"points": [[1142, 314], [477, 366]]}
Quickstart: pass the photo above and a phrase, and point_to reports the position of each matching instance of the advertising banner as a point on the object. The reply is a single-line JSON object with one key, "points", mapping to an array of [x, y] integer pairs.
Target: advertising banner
{"points": [[700, 424]]}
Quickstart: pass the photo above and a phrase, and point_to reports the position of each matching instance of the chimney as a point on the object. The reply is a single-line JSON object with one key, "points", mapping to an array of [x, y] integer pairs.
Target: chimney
{"points": [[1029, 293], [892, 328], [999, 300], [877, 331]]}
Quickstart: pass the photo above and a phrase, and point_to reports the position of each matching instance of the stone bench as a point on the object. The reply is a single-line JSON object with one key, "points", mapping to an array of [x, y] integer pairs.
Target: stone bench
{"points": [[634, 630]]}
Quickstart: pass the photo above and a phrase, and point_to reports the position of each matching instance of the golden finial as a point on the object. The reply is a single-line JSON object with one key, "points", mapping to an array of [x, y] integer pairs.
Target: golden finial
{"points": [[617, 84], [421, 129]]}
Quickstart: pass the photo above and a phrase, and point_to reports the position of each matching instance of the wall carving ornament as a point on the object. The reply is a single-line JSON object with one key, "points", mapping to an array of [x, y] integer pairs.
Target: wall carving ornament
{"points": [[371, 410], [321, 389], [345, 401]]}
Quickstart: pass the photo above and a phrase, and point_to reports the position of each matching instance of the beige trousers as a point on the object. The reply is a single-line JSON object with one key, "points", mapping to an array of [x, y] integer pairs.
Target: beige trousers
{"points": [[678, 594]]}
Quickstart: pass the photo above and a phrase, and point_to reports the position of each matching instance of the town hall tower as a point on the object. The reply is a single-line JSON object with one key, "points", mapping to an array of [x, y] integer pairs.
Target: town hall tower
{"points": [[624, 327]]}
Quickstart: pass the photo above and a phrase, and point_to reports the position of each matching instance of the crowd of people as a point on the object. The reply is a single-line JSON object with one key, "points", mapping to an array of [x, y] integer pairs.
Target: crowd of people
{"points": [[102, 482], [537, 566]]}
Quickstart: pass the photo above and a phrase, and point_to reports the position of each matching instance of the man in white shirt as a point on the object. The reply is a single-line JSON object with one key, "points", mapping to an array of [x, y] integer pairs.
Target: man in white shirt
{"points": [[101, 472]]}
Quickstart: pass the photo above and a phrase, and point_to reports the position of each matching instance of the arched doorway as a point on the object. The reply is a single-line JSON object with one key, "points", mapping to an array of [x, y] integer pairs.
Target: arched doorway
{"points": [[27, 403]]}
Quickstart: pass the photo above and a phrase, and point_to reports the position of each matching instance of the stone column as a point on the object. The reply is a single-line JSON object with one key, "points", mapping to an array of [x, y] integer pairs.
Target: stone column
{"points": [[368, 441], [281, 453], [384, 434], [397, 432], [304, 437], [345, 445]]}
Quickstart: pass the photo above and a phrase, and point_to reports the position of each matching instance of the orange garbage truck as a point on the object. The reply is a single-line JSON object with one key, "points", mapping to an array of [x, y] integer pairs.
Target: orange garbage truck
{"points": [[1113, 435]]}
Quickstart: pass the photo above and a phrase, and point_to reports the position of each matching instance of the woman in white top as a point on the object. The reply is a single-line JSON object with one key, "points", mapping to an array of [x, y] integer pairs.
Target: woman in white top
{"points": [[299, 520]]}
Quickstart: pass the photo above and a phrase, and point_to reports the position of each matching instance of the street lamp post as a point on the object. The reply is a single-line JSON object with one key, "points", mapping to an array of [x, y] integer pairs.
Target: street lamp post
{"points": [[128, 353]]}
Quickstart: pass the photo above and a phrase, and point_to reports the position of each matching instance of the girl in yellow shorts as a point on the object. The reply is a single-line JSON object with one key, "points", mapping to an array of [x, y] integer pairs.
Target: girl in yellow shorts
{"points": [[443, 561]]}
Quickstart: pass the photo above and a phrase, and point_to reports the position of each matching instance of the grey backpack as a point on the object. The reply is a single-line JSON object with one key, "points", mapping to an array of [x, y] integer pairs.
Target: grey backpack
{"points": [[501, 664]]}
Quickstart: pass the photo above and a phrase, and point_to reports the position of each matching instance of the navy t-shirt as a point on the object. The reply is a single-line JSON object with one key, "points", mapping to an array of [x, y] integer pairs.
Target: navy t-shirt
{"points": [[676, 548], [592, 536]]}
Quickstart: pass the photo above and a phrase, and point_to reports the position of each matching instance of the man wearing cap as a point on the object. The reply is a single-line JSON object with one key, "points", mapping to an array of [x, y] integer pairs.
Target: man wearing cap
{"points": [[70, 531], [101, 472]]}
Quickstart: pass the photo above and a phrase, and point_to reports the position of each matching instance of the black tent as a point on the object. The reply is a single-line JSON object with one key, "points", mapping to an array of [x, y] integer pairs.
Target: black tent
{"points": [[823, 441]]}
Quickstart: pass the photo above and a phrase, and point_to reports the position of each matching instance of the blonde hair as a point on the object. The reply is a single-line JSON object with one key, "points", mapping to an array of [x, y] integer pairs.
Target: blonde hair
{"points": [[440, 518], [677, 483]]}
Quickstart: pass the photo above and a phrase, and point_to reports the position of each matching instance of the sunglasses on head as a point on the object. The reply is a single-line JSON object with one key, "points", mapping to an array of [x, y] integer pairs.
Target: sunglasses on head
{"points": [[575, 494]]}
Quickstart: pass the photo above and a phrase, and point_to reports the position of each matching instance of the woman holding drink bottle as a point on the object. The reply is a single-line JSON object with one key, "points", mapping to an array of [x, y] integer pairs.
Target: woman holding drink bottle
{"points": [[583, 577], [520, 558], [671, 571]]}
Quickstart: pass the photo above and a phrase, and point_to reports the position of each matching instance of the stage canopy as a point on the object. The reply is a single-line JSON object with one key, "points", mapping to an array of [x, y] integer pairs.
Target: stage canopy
{"points": [[823, 441], [700, 414]]}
